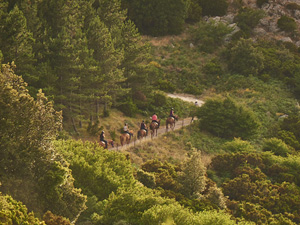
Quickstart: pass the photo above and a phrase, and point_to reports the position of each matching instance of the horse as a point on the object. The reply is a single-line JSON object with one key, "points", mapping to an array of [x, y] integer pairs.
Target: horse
{"points": [[171, 121], [102, 143], [125, 137], [141, 133], [154, 127]]}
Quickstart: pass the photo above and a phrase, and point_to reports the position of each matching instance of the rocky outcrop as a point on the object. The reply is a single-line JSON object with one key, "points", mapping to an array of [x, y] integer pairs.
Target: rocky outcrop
{"points": [[267, 27]]}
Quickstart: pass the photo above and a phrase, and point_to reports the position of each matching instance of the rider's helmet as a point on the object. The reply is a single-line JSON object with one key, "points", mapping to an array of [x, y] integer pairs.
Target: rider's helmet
{"points": [[143, 121]]}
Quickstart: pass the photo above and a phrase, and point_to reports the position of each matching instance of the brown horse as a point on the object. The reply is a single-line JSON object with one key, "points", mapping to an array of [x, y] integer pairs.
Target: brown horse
{"points": [[171, 121], [154, 127], [102, 143], [141, 133], [125, 138]]}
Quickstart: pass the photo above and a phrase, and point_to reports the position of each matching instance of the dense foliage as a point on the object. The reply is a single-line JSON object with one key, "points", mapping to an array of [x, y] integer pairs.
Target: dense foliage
{"points": [[28, 161], [158, 17], [227, 119], [82, 53], [13, 212], [239, 162]]}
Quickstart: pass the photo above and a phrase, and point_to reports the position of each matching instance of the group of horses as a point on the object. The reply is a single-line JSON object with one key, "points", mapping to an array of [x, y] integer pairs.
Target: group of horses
{"points": [[126, 137]]}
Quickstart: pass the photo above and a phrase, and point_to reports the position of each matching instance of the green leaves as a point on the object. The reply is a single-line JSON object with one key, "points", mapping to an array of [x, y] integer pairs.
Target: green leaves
{"points": [[158, 17], [27, 156], [227, 119]]}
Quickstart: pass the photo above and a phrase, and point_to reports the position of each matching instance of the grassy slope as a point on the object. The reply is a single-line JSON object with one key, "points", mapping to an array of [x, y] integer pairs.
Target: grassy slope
{"points": [[181, 65]]}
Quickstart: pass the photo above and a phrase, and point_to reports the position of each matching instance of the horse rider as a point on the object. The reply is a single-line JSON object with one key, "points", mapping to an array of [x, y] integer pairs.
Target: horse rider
{"points": [[102, 136], [143, 127], [126, 130], [154, 119], [196, 104], [172, 113]]}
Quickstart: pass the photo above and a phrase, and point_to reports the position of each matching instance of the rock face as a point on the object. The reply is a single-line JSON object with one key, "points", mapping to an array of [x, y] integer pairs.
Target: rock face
{"points": [[267, 27]]}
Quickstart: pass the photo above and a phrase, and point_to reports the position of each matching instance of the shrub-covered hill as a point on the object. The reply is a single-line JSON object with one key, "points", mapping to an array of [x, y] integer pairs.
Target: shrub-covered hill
{"points": [[238, 164]]}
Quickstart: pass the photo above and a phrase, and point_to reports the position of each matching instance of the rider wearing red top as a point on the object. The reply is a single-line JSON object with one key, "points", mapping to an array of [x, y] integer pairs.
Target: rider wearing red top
{"points": [[154, 119]]}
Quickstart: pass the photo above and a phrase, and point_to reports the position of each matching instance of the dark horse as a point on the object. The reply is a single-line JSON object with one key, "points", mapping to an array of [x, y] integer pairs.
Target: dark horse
{"points": [[154, 127], [125, 138], [102, 143], [171, 121], [141, 133]]}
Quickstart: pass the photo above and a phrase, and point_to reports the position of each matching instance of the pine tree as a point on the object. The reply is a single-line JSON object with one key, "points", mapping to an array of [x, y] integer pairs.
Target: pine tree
{"points": [[70, 60], [16, 43], [193, 176], [103, 84]]}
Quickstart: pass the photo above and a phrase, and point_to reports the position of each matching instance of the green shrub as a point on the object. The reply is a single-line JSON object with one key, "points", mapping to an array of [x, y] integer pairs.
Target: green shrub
{"points": [[194, 12], [51, 219], [147, 179], [238, 145], [158, 17], [287, 24], [13, 212], [213, 7], [244, 58], [247, 19], [129, 108], [289, 138], [159, 99], [192, 89], [277, 146], [225, 118], [165, 85], [209, 35]]}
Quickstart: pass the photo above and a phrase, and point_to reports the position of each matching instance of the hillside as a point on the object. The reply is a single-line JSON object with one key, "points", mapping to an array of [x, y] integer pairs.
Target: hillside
{"points": [[71, 69]]}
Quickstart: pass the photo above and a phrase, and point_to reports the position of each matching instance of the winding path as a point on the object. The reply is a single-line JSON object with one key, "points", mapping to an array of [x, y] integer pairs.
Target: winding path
{"points": [[179, 124]]}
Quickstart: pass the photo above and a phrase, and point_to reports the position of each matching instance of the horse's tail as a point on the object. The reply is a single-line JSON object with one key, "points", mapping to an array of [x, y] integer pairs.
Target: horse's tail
{"points": [[121, 140], [139, 134]]}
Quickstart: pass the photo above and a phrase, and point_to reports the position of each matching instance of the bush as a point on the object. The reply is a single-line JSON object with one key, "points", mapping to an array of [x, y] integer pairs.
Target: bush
{"points": [[247, 19], [51, 219], [13, 212], [146, 178], [213, 71], [209, 35], [287, 24], [244, 58], [289, 138], [194, 12], [225, 118], [165, 85], [213, 7], [158, 17], [238, 145], [129, 108], [277, 146]]}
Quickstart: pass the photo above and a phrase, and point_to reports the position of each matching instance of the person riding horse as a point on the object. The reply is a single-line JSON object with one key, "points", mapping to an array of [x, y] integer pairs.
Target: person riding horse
{"points": [[172, 113], [126, 130], [102, 136], [143, 127], [154, 119]]}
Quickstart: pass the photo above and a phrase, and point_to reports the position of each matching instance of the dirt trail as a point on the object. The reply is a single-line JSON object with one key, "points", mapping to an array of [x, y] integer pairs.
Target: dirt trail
{"points": [[187, 98], [179, 124]]}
